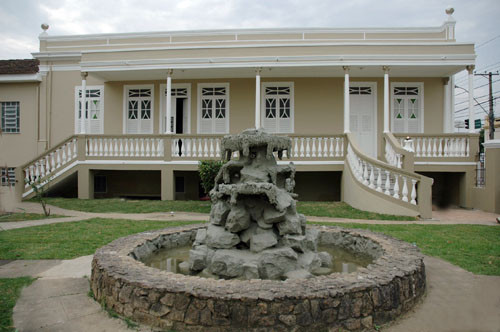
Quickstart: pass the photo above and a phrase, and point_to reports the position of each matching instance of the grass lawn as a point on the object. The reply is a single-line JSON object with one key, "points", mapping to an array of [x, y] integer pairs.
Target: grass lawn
{"points": [[320, 209], [21, 216], [72, 239], [474, 248], [10, 289]]}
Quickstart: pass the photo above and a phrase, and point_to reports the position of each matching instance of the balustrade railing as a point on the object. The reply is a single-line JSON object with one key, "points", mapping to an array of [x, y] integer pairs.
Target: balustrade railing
{"points": [[118, 146], [396, 155], [401, 185], [440, 146], [196, 146], [161, 147], [48, 164], [317, 147]]}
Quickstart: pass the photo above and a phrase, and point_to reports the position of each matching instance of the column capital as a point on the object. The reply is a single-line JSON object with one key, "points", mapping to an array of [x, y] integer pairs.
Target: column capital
{"points": [[258, 70], [170, 72], [386, 69], [346, 68], [446, 80], [84, 75], [470, 69]]}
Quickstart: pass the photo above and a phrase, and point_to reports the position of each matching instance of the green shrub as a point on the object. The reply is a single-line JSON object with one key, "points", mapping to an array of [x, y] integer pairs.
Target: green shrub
{"points": [[208, 170]]}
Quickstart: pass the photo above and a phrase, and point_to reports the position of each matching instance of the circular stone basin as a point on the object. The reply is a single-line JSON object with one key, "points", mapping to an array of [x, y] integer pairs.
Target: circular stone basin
{"points": [[372, 295]]}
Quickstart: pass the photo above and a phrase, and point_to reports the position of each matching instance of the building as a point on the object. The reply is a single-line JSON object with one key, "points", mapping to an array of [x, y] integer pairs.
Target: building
{"points": [[154, 104]]}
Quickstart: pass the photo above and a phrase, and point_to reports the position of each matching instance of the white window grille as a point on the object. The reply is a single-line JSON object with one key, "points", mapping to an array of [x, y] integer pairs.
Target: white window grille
{"points": [[8, 176], [10, 117], [94, 112], [277, 107], [139, 110], [213, 106]]}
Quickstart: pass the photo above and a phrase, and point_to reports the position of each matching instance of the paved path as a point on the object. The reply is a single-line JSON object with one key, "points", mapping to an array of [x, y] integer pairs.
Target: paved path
{"points": [[456, 300], [440, 217]]}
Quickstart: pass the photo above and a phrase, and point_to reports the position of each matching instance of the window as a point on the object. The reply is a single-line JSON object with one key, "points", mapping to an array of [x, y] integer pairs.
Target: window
{"points": [[407, 107], [10, 116], [94, 114], [8, 176], [277, 107], [139, 109], [213, 108]]}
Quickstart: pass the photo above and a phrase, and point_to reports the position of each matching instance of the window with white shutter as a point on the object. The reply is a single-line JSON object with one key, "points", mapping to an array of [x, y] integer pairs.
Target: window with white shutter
{"points": [[139, 109], [8, 176], [277, 107], [407, 107], [95, 110], [213, 108], [10, 114]]}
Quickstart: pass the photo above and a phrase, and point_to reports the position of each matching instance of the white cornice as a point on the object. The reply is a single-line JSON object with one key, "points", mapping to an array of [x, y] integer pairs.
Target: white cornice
{"points": [[19, 78], [61, 56], [279, 61], [156, 34]]}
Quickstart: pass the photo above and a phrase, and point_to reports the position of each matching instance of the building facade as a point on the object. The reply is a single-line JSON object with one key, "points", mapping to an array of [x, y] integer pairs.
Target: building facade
{"points": [[130, 115]]}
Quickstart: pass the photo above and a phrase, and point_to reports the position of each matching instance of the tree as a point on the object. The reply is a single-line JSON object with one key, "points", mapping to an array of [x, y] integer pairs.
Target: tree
{"points": [[208, 170]]}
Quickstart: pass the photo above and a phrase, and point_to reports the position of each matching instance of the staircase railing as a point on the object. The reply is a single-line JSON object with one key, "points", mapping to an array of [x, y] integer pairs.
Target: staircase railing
{"points": [[396, 155], [47, 165], [409, 189]]}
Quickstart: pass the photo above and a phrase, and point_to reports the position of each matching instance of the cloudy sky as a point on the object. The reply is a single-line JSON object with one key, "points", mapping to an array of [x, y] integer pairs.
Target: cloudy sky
{"points": [[477, 21]]}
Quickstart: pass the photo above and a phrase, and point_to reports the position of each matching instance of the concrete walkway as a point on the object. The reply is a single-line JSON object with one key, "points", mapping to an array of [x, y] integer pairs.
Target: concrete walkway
{"points": [[456, 300], [440, 217]]}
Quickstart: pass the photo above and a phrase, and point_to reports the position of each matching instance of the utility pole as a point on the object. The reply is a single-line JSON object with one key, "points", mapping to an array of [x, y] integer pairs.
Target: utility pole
{"points": [[491, 114]]}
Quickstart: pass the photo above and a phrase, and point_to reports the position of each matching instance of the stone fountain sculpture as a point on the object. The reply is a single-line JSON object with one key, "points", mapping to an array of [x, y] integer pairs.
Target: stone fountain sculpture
{"points": [[255, 231]]}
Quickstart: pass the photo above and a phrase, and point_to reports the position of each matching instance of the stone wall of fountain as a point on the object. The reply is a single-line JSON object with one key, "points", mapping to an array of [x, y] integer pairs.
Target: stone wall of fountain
{"points": [[255, 231]]}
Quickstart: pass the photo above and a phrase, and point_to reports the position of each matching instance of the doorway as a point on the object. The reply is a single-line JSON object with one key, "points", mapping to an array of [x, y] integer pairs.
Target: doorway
{"points": [[363, 115]]}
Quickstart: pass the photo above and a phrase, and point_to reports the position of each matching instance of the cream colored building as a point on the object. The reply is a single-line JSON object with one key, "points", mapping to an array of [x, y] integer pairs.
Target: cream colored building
{"points": [[157, 103]]}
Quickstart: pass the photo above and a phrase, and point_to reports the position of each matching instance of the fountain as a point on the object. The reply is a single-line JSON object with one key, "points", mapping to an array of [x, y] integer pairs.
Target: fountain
{"points": [[256, 267], [255, 231]]}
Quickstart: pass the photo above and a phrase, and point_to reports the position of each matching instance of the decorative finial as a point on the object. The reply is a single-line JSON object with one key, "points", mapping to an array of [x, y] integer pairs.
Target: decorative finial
{"points": [[450, 10], [44, 27]]}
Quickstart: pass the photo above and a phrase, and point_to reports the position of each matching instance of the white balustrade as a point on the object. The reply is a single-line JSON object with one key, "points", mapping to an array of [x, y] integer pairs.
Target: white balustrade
{"points": [[383, 179], [196, 147], [124, 147], [317, 147], [393, 158], [440, 147], [50, 163]]}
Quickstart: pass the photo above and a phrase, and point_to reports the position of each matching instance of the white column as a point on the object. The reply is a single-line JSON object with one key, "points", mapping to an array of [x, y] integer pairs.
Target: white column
{"points": [[83, 122], [452, 104], [386, 100], [447, 125], [169, 102], [472, 117], [347, 113], [257, 98]]}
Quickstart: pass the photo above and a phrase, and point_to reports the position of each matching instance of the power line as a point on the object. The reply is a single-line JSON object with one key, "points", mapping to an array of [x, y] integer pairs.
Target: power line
{"points": [[465, 101], [486, 67], [477, 104], [487, 42], [477, 87]]}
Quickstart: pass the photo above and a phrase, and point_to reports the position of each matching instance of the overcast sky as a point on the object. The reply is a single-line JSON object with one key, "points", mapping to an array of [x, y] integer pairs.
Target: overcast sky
{"points": [[477, 20]]}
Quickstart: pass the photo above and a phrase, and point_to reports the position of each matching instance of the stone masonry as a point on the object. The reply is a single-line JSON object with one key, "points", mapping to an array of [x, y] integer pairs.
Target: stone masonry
{"points": [[382, 291]]}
